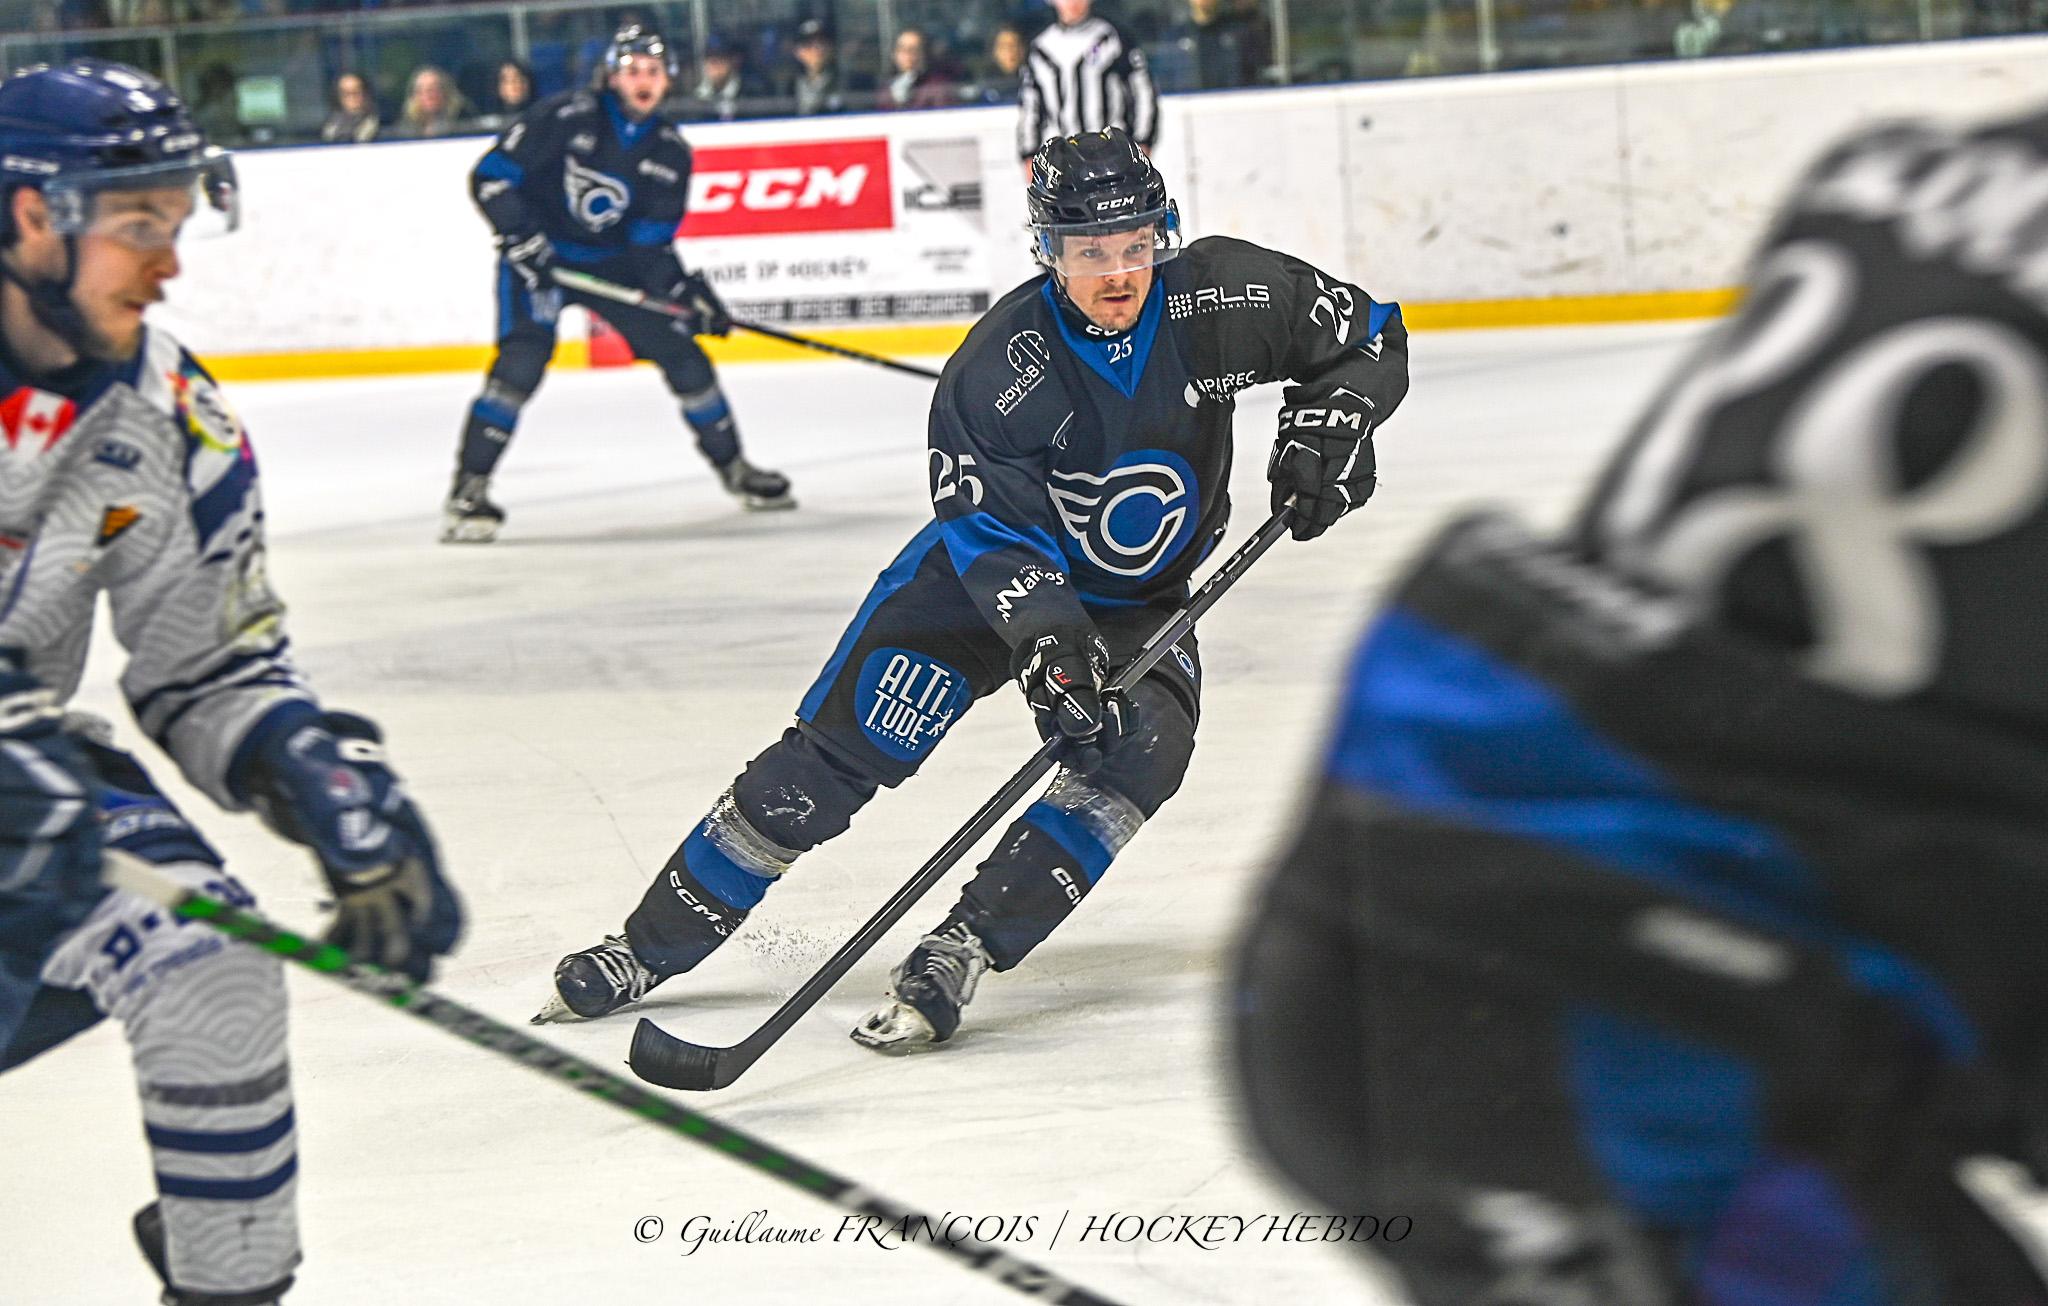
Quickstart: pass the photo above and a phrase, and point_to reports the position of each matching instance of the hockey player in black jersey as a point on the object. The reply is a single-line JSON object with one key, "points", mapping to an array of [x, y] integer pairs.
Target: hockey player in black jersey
{"points": [[1669, 924], [596, 181], [1080, 454]]}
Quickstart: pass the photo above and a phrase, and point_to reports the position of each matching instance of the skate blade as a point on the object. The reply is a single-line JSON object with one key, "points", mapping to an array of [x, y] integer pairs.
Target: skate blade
{"points": [[753, 503], [895, 1030], [554, 1012], [468, 530]]}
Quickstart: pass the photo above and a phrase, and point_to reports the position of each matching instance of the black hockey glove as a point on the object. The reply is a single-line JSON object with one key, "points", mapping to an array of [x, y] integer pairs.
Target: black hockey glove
{"points": [[1062, 676], [695, 293], [49, 822], [321, 781], [529, 257], [1322, 457]]}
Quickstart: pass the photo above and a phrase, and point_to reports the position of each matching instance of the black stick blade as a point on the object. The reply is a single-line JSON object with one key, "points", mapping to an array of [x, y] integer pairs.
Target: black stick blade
{"points": [[661, 1058]]}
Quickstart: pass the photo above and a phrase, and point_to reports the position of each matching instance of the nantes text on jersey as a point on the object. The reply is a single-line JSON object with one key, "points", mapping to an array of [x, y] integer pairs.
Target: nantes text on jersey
{"points": [[598, 185], [1069, 465]]}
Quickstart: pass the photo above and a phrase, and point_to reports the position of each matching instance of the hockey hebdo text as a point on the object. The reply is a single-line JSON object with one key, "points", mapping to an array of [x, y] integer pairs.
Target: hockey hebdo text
{"points": [[1201, 1232]]}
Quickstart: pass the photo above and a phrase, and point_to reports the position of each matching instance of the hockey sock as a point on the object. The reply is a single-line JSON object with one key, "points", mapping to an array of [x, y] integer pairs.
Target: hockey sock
{"points": [[1045, 865], [492, 419], [205, 1021], [702, 895], [718, 435]]}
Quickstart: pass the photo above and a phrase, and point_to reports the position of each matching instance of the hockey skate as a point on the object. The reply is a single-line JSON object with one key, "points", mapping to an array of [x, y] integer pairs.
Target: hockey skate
{"points": [[149, 1235], [756, 489], [469, 517], [596, 982], [926, 992]]}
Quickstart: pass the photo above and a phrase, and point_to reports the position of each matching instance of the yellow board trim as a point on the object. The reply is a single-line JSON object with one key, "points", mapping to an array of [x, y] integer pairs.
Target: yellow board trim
{"points": [[1575, 310], [942, 338]]}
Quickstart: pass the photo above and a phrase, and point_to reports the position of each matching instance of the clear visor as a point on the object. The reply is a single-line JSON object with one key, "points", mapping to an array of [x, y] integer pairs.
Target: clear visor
{"points": [[1105, 248], [150, 206]]}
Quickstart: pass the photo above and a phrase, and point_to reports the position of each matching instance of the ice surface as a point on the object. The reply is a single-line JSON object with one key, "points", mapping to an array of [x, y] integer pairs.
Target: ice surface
{"points": [[567, 702]]}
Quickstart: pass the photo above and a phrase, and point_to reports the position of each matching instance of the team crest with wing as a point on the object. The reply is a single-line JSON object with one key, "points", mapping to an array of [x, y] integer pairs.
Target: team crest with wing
{"points": [[1134, 520], [597, 199]]}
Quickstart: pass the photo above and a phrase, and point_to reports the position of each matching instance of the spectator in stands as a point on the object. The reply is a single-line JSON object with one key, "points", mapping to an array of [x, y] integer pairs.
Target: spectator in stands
{"points": [[512, 95], [1223, 43], [725, 90], [139, 13], [1005, 65], [213, 104], [433, 107], [354, 120], [1704, 31], [817, 84], [916, 84]]}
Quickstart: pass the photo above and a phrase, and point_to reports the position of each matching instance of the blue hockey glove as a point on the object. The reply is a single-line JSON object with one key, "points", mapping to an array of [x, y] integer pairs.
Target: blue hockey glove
{"points": [[1323, 456], [321, 781], [1062, 676], [529, 257], [695, 293], [49, 833]]}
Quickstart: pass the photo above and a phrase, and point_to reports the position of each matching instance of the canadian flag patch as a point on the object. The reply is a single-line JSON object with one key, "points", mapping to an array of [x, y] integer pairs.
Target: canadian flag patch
{"points": [[35, 416]]}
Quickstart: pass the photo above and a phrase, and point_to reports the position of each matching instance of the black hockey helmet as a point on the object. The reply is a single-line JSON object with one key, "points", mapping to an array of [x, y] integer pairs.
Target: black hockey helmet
{"points": [[634, 39], [1098, 184]]}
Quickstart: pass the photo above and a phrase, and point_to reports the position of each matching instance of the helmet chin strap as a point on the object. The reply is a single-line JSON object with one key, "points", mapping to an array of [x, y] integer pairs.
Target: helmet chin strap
{"points": [[51, 303]]}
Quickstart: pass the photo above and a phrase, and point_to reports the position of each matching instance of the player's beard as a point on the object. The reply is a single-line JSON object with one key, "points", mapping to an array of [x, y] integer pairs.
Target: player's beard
{"points": [[1138, 285], [55, 308], [92, 341]]}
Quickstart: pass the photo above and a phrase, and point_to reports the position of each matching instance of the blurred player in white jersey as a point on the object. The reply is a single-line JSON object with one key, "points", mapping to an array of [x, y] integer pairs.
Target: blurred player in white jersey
{"points": [[123, 473]]}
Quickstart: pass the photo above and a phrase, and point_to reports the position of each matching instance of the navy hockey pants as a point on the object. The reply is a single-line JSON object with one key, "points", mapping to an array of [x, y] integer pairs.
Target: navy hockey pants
{"points": [[527, 323], [916, 656]]}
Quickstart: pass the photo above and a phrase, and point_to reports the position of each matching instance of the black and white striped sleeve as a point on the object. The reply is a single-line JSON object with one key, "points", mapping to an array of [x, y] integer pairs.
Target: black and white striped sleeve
{"points": [[1033, 104], [1141, 96]]}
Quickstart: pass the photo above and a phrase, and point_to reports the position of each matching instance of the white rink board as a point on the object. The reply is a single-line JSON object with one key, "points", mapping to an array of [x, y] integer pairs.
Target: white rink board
{"points": [[1531, 185]]}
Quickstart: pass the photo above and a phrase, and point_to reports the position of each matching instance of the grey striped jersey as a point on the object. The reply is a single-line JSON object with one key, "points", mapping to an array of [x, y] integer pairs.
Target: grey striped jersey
{"points": [[1082, 79], [135, 480]]}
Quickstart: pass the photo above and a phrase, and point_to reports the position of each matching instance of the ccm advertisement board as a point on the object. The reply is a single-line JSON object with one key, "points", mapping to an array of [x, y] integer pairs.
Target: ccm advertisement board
{"points": [[862, 228]]}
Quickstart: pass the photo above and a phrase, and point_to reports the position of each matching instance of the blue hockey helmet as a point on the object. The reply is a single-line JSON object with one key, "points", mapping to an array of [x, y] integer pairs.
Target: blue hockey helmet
{"points": [[1094, 187], [78, 129], [634, 39]]}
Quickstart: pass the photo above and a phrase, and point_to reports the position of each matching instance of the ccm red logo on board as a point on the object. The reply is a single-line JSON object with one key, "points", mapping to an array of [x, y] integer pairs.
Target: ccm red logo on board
{"points": [[753, 190]]}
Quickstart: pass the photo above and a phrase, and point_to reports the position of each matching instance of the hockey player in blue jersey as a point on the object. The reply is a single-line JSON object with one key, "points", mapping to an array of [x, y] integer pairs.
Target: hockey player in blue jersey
{"points": [[596, 181], [1079, 461], [123, 473], [1667, 929]]}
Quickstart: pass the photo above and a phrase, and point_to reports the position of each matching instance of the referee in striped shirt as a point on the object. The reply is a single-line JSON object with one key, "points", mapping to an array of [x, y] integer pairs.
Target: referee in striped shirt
{"points": [[1082, 74]]}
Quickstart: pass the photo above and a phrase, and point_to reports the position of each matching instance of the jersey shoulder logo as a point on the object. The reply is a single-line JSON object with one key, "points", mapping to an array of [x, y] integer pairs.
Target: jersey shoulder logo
{"points": [[596, 199], [1031, 360], [34, 420], [1133, 520]]}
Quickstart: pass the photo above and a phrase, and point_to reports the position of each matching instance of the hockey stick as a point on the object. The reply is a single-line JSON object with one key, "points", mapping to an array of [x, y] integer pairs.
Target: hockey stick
{"points": [[128, 872], [617, 293], [661, 1058]]}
